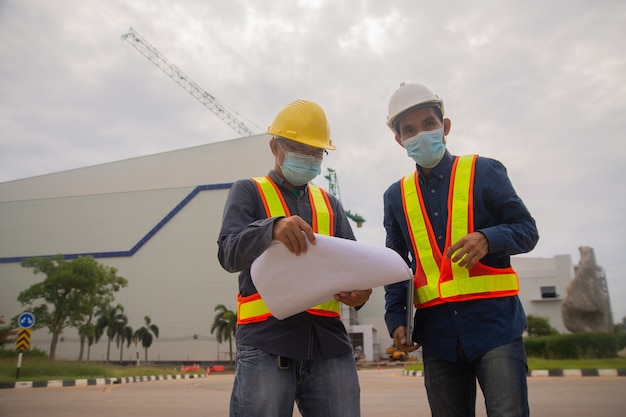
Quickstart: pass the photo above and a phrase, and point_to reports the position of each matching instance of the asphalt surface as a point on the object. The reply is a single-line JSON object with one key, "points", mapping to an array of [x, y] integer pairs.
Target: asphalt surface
{"points": [[385, 392]]}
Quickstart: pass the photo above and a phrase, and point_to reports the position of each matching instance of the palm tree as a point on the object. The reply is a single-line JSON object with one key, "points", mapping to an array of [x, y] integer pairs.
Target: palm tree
{"points": [[225, 323], [125, 334], [113, 320], [92, 336], [144, 334], [87, 333]]}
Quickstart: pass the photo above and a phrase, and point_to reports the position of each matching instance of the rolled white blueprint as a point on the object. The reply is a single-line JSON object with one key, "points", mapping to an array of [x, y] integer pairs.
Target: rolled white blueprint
{"points": [[290, 284]]}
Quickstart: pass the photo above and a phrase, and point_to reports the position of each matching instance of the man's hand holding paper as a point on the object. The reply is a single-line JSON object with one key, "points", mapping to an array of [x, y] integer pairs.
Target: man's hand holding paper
{"points": [[354, 298]]}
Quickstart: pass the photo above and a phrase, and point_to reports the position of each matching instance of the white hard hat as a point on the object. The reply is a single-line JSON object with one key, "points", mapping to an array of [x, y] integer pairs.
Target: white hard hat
{"points": [[410, 97]]}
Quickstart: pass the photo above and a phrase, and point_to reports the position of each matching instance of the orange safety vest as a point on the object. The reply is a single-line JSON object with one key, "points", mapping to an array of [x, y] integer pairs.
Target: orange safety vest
{"points": [[437, 279], [252, 309]]}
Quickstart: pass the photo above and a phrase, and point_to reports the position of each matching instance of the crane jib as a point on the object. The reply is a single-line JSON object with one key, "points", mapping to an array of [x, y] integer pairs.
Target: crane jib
{"points": [[172, 71]]}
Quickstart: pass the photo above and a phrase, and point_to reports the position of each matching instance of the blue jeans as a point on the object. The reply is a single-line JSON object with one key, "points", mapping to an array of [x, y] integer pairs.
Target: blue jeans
{"points": [[265, 386], [501, 373]]}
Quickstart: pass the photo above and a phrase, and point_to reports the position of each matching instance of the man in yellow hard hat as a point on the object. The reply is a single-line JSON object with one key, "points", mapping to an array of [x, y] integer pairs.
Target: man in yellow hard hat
{"points": [[306, 358], [456, 220]]}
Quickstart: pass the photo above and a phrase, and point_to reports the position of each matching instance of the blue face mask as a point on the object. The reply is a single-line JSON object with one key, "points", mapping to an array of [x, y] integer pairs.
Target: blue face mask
{"points": [[426, 148], [299, 169]]}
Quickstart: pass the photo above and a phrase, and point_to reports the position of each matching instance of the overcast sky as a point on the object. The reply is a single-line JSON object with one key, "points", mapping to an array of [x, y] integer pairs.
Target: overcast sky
{"points": [[539, 85]]}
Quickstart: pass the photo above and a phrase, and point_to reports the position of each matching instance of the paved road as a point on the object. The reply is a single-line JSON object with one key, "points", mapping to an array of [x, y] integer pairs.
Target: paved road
{"points": [[385, 392]]}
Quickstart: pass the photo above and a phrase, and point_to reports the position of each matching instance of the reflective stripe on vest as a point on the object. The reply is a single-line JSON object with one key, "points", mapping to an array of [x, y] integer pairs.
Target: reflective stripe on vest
{"points": [[252, 309], [437, 279]]}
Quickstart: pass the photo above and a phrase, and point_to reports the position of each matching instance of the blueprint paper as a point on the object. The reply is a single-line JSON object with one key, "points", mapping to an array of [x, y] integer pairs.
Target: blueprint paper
{"points": [[290, 284]]}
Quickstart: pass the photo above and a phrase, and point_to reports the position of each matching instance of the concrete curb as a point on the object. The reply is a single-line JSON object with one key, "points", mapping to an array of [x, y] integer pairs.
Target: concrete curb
{"points": [[556, 372], [95, 381]]}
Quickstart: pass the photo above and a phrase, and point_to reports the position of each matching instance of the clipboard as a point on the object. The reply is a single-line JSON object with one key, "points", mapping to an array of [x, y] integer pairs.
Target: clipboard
{"points": [[409, 310]]}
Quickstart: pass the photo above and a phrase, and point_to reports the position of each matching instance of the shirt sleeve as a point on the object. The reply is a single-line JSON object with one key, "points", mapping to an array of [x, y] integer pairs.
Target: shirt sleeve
{"points": [[244, 234], [395, 294], [509, 228]]}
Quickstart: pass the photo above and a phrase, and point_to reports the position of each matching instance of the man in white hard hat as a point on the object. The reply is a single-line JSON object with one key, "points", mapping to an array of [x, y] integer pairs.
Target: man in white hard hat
{"points": [[456, 220], [306, 358]]}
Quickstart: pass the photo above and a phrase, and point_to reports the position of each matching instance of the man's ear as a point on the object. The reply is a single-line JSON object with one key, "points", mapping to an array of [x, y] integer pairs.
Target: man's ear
{"points": [[399, 140], [446, 126], [274, 146]]}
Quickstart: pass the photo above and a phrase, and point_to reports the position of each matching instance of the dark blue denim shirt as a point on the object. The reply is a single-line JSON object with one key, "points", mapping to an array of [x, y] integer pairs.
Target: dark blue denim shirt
{"points": [[476, 326], [245, 234]]}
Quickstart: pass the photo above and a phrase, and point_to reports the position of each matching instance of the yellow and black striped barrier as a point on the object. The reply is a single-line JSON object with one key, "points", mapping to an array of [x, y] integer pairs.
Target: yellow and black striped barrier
{"points": [[23, 339]]}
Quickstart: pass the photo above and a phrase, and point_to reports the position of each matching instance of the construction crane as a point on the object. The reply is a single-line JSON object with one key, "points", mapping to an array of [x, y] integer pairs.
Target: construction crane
{"points": [[171, 70], [210, 102], [333, 188]]}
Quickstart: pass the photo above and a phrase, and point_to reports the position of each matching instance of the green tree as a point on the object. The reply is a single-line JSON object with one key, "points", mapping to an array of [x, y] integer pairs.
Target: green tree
{"points": [[146, 335], [7, 333], [86, 326], [225, 324], [69, 293], [539, 326]]}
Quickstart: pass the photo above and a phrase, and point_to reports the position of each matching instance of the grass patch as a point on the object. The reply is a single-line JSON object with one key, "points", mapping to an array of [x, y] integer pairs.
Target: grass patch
{"points": [[608, 363], [535, 364], [42, 369]]}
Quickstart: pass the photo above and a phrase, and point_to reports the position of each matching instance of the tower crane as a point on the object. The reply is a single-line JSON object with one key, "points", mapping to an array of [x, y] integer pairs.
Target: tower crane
{"points": [[171, 70], [333, 188], [210, 102]]}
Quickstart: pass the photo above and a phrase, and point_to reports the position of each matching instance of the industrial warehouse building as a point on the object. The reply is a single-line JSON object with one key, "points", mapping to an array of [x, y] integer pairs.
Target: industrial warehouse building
{"points": [[156, 219]]}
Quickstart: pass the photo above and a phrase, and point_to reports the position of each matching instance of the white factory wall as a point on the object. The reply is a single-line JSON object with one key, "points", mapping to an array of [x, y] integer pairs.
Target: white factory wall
{"points": [[156, 219], [166, 201]]}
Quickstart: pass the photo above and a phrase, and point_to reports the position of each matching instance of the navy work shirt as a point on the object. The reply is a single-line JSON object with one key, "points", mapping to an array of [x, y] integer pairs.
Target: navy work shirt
{"points": [[477, 325], [245, 234]]}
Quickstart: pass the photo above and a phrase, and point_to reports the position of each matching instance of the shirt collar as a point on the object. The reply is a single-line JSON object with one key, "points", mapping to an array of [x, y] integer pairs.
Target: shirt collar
{"points": [[280, 181], [442, 168]]}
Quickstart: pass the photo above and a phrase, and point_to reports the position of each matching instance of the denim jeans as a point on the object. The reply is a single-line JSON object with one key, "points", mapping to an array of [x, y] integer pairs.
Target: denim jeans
{"points": [[265, 386], [501, 373]]}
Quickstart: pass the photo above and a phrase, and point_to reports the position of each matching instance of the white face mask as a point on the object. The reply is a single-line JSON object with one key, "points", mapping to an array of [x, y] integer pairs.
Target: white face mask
{"points": [[426, 148]]}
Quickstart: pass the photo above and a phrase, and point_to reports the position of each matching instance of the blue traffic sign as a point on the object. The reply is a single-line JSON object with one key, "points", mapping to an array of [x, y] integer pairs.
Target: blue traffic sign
{"points": [[26, 320]]}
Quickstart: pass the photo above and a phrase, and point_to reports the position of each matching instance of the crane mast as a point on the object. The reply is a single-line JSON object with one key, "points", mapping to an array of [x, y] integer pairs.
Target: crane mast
{"points": [[333, 188], [171, 70]]}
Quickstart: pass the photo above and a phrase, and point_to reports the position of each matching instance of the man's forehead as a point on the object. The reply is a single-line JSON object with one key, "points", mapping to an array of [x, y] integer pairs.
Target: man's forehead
{"points": [[418, 115], [295, 144]]}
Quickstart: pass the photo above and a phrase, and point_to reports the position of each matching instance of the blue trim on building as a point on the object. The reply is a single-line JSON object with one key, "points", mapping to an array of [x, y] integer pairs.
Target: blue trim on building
{"points": [[143, 240]]}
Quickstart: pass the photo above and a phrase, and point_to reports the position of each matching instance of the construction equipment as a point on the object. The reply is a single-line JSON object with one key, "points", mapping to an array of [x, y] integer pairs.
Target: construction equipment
{"points": [[333, 188], [171, 70], [396, 355]]}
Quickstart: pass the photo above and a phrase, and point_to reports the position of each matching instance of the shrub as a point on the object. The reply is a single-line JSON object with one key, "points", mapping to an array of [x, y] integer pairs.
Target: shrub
{"points": [[30, 353], [563, 347], [574, 346], [621, 340], [539, 326], [537, 347]]}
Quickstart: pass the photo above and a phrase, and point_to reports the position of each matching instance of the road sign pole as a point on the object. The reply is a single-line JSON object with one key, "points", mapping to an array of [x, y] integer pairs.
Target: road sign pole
{"points": [[19, 365], [26, 321], [136, 342]]}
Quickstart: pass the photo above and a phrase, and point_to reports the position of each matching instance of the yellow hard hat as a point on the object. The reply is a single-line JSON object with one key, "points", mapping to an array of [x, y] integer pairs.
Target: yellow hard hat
{"points": [[303, 121]]}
